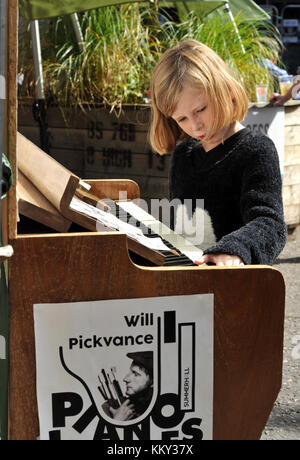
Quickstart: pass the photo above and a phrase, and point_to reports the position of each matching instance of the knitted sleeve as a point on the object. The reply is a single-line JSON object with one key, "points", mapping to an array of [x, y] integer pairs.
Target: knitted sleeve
{"points": [[264, 233]]}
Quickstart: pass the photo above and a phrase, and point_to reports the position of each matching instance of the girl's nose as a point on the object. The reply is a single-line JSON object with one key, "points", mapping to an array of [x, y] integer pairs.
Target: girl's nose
{"points": [[196, 124]]}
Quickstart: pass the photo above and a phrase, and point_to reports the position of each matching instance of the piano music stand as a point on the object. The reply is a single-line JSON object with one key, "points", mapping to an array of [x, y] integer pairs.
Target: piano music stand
{"points": [[48, 189], [53, 268]]}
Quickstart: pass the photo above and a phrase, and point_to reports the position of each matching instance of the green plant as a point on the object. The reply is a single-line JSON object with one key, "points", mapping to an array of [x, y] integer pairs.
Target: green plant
{"points": [[122, 45], [259, 40]]}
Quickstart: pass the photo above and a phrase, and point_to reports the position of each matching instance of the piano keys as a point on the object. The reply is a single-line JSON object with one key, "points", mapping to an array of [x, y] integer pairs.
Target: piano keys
{"points": [[153, 228]]}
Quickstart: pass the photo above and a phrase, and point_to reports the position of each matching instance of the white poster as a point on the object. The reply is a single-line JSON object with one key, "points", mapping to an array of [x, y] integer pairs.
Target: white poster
{"points": [[129, 369]]}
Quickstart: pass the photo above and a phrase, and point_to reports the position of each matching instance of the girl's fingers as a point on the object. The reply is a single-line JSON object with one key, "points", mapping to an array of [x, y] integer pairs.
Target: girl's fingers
{"points": [[220, 260], [200, 260]]}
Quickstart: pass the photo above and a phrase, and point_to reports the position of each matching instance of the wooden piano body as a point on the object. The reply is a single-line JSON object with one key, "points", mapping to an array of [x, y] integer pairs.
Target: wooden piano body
{"points": [[71, 267]]}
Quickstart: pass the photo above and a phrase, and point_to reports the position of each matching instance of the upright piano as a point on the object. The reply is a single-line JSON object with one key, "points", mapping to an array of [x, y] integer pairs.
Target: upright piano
{"points": [[64, 266], [74, 266]]}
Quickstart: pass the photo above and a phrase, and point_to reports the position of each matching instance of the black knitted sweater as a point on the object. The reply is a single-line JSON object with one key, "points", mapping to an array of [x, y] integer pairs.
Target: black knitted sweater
{"points": [[240, 183]]}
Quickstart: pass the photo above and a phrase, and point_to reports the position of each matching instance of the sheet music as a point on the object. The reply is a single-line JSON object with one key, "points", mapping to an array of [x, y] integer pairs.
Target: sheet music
{"points": [[135, 211], [85, 185], [111, 221]]}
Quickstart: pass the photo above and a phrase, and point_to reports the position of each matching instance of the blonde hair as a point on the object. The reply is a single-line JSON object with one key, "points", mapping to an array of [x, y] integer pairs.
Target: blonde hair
{"points": [[192, 64]]}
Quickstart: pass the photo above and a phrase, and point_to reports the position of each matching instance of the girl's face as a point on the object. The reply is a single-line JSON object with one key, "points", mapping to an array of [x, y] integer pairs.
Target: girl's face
{"points": [[194, 115]]}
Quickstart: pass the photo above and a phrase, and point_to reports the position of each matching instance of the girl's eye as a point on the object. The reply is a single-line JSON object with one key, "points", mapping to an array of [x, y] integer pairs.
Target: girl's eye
{"points": [[181, 120], [202, 110]]}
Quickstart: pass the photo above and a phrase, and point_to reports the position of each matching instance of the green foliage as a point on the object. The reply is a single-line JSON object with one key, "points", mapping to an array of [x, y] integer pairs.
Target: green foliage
{"points": [[121, 47], [260, 41]]}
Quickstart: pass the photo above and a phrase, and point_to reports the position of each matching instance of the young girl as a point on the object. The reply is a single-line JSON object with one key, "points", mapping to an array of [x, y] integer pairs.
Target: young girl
{"points": [[197, 109]]}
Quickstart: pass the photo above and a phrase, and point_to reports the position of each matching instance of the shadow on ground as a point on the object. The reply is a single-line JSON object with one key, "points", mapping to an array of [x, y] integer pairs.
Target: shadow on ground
{"points": [[290, 260], [287, 416]]}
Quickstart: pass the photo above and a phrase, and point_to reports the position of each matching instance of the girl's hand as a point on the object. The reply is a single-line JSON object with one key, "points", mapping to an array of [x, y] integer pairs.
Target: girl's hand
{"points": [[220, 260]]}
